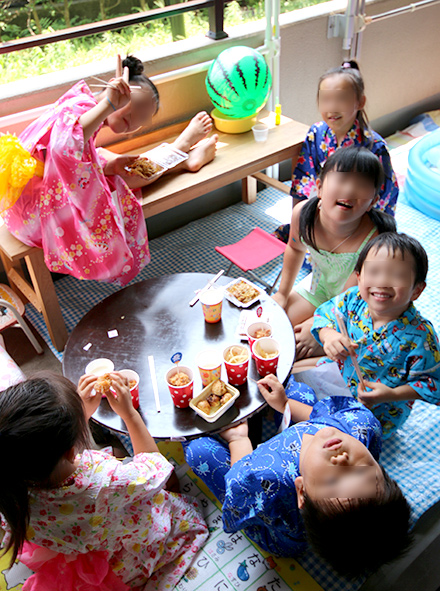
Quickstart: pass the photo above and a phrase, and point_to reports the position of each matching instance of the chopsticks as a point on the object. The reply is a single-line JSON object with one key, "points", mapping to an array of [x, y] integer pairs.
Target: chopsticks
{"points": [[154, 381], [207, 286], [107, 84], [343, 330]]}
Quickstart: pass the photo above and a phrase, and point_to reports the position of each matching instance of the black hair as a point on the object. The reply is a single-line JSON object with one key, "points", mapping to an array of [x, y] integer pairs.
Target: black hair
{"points": [[360, 535], [41, 419], [351, 159], [398, 242], [136, 74], [350, 69]]}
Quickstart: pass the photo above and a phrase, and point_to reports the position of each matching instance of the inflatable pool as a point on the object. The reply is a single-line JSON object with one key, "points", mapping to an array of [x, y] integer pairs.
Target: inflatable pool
{"points": [[422, 186]]}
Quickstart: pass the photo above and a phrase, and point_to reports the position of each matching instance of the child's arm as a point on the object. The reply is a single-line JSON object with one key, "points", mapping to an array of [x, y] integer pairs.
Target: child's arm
{"points": [[273, 392], [382, 393], [239, 443], [293, 259], [121, 403]]}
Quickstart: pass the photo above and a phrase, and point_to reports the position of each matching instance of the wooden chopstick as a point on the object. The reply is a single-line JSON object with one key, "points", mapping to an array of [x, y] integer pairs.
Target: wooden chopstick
{"points": [[343, 329], [154, 381]]}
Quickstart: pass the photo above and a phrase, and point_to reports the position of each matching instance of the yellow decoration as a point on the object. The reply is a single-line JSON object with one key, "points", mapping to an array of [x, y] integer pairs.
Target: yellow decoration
{"points": [[17, 167], [66, 509]]}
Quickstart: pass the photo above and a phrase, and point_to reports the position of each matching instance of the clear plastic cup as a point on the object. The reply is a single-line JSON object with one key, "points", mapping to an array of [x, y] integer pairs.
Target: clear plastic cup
{"points": [[181, 395], [209, 363], [237, 372], [266, 346], [260, 132], [212, 301]]}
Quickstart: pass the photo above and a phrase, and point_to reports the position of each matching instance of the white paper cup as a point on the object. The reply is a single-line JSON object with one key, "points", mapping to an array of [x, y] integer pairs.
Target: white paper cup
{"points": [[260, 132], [98, 367]]}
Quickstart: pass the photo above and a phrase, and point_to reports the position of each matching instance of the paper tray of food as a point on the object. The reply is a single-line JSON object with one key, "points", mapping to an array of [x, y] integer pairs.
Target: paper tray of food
{"points": [[210, 391], [242, 293]]}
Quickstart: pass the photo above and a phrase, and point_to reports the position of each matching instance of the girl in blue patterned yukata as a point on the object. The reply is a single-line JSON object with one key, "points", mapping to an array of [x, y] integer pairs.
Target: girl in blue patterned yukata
{"points": [[341, 101], [397, 349], [318, 479], [334, 226]]}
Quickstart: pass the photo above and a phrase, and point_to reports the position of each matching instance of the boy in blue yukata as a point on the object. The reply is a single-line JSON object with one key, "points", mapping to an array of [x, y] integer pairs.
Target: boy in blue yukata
{"points": [[397, 349], [318, 479]]}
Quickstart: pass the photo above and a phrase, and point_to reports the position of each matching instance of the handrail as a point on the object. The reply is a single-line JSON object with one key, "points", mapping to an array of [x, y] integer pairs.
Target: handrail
{"points": [[215, 22]]}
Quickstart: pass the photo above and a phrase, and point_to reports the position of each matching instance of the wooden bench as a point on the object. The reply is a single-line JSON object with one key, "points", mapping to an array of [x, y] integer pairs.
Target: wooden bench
{"points": [[238, 157]]}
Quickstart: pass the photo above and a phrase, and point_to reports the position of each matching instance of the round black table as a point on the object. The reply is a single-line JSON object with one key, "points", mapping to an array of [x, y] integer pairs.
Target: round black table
{"points": [[153, 317]]}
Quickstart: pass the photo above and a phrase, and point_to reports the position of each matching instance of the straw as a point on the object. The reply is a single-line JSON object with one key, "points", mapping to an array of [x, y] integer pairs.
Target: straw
{"points": [[154, 381], [343, 329]]}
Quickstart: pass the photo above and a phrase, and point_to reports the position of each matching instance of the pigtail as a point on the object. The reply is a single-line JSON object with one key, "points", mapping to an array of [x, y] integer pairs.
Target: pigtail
{"points": [[383, 221], [351, 68], [307, 219]]}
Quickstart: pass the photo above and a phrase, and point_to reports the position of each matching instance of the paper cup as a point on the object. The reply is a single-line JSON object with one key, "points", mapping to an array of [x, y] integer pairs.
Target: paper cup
{"points": [[134, 390], [253, 328], [266, 345], [181, 395], [237, 372], [261, 132], [98, 367], [209, 363], [212, 301]]}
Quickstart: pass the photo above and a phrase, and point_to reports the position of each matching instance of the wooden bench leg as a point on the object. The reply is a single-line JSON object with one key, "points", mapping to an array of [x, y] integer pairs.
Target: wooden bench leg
{"points": [[249, 189], [47, 297]]}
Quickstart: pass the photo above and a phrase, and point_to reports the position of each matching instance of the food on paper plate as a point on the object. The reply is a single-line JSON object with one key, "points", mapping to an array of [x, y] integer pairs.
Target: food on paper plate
{"points": [[103, 384], [144, 168], [179, 379], [243, 292]]}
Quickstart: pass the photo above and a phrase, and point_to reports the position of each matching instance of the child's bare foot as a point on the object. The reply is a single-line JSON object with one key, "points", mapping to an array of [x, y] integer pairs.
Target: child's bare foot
{"points": [[197, 129], [201, 155]]}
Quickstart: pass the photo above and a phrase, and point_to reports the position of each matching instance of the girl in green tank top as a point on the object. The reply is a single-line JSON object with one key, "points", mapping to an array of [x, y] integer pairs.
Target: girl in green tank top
{"points": [[334, 226]]}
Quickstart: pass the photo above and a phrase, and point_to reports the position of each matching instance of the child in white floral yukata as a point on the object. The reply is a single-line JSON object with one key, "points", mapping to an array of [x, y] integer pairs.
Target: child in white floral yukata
{"points": [[80, 518]]}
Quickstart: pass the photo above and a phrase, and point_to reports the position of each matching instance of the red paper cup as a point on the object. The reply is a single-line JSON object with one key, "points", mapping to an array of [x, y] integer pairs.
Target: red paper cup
{"points": [[209, 363], [134, 390], [212, 301], [253, 328], [237, 372], [269, 346], [181, 395]]}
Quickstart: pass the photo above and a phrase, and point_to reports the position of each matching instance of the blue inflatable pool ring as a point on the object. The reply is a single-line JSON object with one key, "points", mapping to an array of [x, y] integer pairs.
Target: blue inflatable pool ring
{"points": [[422, 185]]}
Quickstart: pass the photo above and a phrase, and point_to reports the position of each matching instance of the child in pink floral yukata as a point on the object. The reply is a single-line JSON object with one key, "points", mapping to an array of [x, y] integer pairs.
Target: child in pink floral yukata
{"points": [[81, 206], [80, 518]]}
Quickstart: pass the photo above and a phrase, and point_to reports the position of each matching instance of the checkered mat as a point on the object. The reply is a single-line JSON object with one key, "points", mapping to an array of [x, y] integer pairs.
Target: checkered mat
{"points": [[408, 455]]}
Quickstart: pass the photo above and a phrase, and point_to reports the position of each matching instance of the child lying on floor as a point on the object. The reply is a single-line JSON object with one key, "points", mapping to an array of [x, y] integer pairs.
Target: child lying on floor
{"points": [[319, 477], [397, 349]]}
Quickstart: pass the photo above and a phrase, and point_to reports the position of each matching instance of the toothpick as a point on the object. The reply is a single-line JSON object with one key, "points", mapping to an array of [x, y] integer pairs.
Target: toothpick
{"points": [[343, 329]]}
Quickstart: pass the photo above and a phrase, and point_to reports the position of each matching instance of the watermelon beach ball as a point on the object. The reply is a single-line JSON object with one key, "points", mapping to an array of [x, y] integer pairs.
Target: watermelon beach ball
{"points": [[239, 82]]}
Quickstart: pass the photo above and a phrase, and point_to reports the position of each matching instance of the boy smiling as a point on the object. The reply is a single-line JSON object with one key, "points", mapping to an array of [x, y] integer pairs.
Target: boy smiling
{"points": [[397, 350]]}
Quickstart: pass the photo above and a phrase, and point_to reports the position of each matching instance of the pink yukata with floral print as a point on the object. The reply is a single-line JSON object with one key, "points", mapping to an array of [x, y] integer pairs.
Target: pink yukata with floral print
{"points": [[321, 143], [150, 536], [89, 225]]}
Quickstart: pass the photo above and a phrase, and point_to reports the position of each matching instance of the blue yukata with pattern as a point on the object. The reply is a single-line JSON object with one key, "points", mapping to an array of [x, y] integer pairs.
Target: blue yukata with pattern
{"points": [[403, 351], [258, 492], [321, 142]]}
